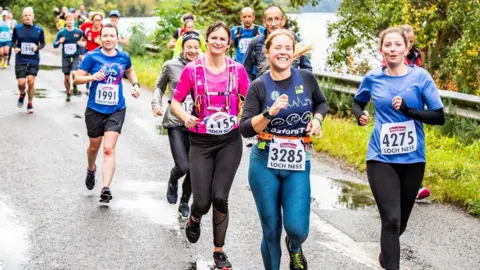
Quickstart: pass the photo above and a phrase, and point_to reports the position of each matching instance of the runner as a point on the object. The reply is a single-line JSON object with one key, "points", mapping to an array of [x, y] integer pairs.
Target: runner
{"points": [[91, 31], [180, 31], [13, 23], [122, 37], [105, 113], [189, 26], [396, 152], [5, 38], [70, 38], [254, 59], [27, 40], [177, 133], [284, 107], [243, 34], [219, 85]]}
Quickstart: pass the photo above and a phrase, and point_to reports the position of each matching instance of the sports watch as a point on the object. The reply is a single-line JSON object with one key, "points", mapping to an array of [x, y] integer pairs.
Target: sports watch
{"points": [[266, 114]]}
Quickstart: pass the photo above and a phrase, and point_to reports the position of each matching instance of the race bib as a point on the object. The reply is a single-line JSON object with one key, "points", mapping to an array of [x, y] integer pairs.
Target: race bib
{"points": [[398, 138], [70, 49], [243, 44], [286, 154], [107, 94], [27, 48], [188, 104], [4, 35], [220, 123]]}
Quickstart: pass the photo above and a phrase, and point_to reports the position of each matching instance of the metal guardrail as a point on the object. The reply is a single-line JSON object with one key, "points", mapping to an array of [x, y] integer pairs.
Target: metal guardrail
{"points": [[467, 106]]}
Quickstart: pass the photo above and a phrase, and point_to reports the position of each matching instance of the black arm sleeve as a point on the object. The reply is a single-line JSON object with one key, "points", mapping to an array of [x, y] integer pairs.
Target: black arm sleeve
{"points": [[251, 108], [436, 117], [357, 109], [319, 101]]}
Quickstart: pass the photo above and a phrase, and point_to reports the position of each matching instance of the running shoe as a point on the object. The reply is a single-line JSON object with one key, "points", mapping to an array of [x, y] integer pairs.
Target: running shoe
{"points": [[423, 193], [297, 260], [20, 101], [68, 97], [183, 210], [221, 261], [106, 195], [75, 90], [90, 180], [4, 66], [172, 193], [192, 230], [380, 261], [30, 108]]}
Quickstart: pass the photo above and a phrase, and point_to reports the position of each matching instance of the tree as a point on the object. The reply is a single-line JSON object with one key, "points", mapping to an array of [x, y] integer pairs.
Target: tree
{"points": [[446, 31]]}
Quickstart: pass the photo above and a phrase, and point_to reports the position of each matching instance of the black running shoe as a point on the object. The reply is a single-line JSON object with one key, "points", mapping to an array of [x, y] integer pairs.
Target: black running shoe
{"points": [[106, 195], [183, 210], [172, 193], [20, 101], [221, 261], [90, 180], [192, 230], [380, 261], [297, 260]]}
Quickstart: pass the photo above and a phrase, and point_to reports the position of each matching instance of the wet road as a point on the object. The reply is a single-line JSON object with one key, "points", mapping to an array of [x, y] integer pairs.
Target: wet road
{"points": [[49, 220]]}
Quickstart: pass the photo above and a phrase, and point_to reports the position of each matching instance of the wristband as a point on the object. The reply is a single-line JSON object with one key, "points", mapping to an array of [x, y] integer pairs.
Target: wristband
{"points": [[319, 120], [136, 83]]}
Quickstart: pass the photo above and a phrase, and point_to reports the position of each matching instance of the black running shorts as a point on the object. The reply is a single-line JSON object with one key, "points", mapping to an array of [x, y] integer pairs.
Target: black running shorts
{"points": [[98, 123], [24, 70]]}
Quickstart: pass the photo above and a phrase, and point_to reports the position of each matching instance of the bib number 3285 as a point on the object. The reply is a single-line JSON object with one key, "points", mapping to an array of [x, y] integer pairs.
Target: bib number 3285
{"points": [[398, 138], [286, 154], [220, 123]]}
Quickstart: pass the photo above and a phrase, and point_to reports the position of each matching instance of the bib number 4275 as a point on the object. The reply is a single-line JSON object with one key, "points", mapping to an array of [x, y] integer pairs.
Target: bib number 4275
{"points": [[398, 138], [286, 155]]}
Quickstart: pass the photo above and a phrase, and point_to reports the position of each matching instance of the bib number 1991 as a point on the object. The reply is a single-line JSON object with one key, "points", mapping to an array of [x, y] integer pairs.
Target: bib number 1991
{"points": [[286, 155]]}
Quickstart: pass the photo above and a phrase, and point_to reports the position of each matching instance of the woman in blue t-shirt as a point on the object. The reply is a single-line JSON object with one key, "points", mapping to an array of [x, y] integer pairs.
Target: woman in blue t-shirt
{"points": [[105, 114], [396, 151]]}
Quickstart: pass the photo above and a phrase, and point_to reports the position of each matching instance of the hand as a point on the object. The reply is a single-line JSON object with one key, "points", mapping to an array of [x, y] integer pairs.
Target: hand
{"points": [[35, 47], [190, 121], [314, 128], [157, 110], [280, 103], [136, 91], [364, 118], [61, 40], [17, 50], [397, 102], [98, 76]]}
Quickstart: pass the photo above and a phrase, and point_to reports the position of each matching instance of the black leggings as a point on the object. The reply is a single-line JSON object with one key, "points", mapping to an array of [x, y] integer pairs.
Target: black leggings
{"points": [[214, 160], [180, 145], [395, 187]]}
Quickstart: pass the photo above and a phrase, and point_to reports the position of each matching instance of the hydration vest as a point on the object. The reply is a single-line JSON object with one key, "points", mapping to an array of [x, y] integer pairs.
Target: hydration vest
{"points": [[202, 94]]}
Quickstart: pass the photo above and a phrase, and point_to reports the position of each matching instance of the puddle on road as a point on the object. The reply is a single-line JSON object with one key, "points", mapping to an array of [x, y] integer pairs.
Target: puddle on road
{"points": [[333, 194], [13, 243], [45, 67], [41, 93]]}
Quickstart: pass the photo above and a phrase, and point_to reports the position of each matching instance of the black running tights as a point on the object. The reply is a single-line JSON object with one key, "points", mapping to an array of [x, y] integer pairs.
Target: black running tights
{"points": [[180, 145], [214, 160], [395, 188]]}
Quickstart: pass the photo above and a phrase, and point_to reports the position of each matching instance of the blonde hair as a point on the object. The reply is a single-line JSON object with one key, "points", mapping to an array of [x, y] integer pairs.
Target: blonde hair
{"points": [[391, 30], [407, 28], [298, 48], [95, 13]]}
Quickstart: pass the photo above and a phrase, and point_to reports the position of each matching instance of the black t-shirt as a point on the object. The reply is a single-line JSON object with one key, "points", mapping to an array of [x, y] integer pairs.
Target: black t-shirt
{"points": [[256, 96]]}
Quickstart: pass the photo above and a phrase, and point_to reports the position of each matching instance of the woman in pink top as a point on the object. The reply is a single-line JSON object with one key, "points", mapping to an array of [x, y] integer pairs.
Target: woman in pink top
{"points": [[217, 85]]}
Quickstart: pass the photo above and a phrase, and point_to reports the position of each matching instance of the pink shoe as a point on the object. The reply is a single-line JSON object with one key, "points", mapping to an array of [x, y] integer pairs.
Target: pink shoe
{"points": [[423, 193]]}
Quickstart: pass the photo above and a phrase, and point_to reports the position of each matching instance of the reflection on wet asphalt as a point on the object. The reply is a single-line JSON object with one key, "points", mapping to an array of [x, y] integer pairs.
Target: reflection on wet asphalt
{"points": [[13, 242]]}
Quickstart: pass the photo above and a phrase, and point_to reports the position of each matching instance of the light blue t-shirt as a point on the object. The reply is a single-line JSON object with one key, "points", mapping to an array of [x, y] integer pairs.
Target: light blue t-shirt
{"points": [[106, 96], [245, 36], [397, 138], [5, 31]]}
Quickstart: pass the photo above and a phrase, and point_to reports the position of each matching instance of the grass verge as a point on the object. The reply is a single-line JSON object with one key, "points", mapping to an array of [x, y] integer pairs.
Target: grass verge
{"points": [[147, 69], [453, 168]]}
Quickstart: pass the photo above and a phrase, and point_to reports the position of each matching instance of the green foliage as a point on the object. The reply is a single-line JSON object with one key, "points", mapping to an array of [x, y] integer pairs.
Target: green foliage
{"points": [[446, 31], [43, 10], [137, 41]]}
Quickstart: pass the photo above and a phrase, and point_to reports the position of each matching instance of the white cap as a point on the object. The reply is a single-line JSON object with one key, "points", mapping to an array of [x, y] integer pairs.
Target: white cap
{"points": [[5, 13]]}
